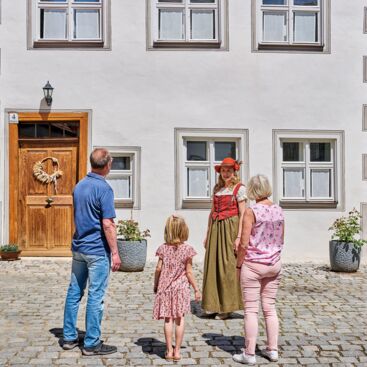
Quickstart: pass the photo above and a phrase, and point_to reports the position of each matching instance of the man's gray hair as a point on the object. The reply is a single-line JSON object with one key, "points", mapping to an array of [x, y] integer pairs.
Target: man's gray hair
{"points": [[99, 158]]}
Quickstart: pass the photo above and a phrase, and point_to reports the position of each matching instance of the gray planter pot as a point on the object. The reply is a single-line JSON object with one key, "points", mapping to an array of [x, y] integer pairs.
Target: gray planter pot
{"points": [[344, 256], [133, 255]]}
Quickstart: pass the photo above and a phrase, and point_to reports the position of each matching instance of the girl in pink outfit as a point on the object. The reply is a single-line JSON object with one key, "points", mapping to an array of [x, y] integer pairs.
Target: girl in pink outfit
{"points": [[259, 267], [172, 280]]}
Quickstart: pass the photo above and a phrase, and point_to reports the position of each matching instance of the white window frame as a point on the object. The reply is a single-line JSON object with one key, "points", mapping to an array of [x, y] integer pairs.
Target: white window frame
{"points": [[134, 153], [220, 22], [323, 21], [336, 165], [182, 135], [70, 6]]}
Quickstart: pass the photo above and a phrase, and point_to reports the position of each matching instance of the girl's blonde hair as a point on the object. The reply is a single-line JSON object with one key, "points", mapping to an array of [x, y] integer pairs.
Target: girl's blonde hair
{"points": [[258, 187], [221, 183], [176, 230]]}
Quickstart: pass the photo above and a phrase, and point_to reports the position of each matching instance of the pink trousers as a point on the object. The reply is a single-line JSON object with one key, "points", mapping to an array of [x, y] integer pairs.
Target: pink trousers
{"points": [[260, 281]]}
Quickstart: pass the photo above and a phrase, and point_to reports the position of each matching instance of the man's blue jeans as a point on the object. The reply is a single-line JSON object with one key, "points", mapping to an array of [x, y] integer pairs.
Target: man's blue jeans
{"points": [[94, 269]]}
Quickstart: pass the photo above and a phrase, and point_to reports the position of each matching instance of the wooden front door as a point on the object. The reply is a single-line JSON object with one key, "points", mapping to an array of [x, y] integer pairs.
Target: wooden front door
{"points": [[45, 223], [41, 214]]}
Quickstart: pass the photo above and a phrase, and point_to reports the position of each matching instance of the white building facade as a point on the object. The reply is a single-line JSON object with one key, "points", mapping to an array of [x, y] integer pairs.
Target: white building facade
{"points": [[171, 87]]}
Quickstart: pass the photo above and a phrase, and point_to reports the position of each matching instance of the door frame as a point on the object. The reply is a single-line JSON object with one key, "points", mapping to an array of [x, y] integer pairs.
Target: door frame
{"points": [[13, 156]]}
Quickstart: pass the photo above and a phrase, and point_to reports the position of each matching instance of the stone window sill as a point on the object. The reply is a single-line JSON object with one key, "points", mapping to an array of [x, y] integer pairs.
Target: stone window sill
{"points": [[186, 45], [67, 44], [308, 205], [285, 47]]}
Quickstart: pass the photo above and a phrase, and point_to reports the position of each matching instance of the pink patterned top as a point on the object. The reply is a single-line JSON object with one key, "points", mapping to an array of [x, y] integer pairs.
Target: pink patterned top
{"points": [[266, 239]]}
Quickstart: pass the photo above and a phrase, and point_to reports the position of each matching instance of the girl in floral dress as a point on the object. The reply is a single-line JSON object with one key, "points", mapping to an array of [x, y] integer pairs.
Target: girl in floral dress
{"points": [[172, 280]]}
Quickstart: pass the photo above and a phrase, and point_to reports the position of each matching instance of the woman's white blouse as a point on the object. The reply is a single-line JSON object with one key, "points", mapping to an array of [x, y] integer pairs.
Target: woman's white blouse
{"points": [[241, 194]]}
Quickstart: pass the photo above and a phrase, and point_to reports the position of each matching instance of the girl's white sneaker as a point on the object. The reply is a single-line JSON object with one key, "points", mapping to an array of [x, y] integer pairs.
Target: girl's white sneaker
{"points": [[244, 359], [270, 354]]}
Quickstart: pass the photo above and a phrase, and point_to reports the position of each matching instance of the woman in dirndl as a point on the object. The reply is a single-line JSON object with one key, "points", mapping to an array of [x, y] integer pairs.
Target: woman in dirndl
{"points": [[221, 288]]}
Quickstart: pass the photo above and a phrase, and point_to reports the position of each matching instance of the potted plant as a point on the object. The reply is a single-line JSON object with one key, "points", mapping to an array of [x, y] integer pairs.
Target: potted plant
{"points": [[132, 245], [344, 247], [10, 252]]}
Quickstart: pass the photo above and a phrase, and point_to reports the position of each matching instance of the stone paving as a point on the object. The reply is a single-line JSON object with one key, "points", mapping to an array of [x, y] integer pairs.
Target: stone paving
{"points": [[322, 314]]}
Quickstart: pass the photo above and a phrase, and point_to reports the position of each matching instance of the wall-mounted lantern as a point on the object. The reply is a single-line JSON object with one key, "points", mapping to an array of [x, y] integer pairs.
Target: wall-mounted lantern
{"points": [[47, 91]]}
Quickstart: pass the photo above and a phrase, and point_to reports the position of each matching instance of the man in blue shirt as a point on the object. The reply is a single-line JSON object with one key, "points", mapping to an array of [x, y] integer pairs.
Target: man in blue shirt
{"points": [[94, 243]]}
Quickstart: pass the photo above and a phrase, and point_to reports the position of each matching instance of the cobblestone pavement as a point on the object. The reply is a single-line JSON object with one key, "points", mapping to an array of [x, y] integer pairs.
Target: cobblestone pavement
{"points": [[322, 315]]}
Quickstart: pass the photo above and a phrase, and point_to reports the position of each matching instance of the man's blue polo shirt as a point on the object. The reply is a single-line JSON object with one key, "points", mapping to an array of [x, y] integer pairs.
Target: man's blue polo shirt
{"points": [[93, 201]]}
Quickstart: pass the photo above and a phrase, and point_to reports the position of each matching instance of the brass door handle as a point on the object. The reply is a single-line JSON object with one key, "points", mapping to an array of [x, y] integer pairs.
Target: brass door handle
{"points": [[49, 201]]}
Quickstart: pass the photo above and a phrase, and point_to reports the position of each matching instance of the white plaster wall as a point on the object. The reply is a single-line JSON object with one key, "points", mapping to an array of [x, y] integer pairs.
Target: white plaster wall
{"points": [[138, 97]]}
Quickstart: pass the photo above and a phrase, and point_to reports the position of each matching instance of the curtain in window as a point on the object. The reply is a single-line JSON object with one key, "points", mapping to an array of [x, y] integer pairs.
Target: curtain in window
{"points": [[170, 24], [197, 182], [86, 24], [274, 27], [120, 186], [53, 24], [305, 27], [320, 183], [202, 24], [293, 183]]}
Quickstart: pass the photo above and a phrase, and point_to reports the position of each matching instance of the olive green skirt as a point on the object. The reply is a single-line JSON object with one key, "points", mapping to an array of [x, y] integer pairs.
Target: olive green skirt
{"points": [[221, 287]]}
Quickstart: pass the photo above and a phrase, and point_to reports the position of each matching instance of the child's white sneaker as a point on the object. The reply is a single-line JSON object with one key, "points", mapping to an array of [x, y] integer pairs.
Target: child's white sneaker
{"points": [[270, 354], [244, 359]]}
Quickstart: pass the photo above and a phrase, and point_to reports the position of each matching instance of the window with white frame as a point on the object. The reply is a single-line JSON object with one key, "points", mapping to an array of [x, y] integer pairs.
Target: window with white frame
{"points": [[124, 177], [307, 171], [197, 155], [186, 22], [67, 22], [298, 23]]}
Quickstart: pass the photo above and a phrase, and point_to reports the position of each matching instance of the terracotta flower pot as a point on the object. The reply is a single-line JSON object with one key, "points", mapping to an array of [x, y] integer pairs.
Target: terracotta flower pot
{"points": [[9, 256]]}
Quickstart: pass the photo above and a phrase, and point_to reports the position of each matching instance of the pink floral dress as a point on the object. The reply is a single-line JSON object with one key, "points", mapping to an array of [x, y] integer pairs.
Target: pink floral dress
{"points": [[173, 294]]}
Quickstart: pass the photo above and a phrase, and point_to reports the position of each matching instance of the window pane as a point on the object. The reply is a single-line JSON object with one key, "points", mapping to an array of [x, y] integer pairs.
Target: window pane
{"points": [[224, 149], [120, 163], [293, 183], [42, 130], [321, 183], [121, 187], [274, 27], [292, 152], [170, 1], [86, 24], [196, 151], [57, 130], [71, 129], [274, 2], [320, 152], [87, 1], [27, 130], [53, 24], [202, 1], [170, 24], [202, 24], [306, 2], [305, 27], [197, 182]]}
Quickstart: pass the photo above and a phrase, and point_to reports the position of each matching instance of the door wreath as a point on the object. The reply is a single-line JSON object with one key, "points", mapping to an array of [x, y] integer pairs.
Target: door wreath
{"points": [[42, 176]]}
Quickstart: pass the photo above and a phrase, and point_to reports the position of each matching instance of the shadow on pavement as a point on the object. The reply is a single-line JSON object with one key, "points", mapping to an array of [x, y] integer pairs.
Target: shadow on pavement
{"points": [[152, 346], [230, 344], [197, 311], [58, 333]]}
